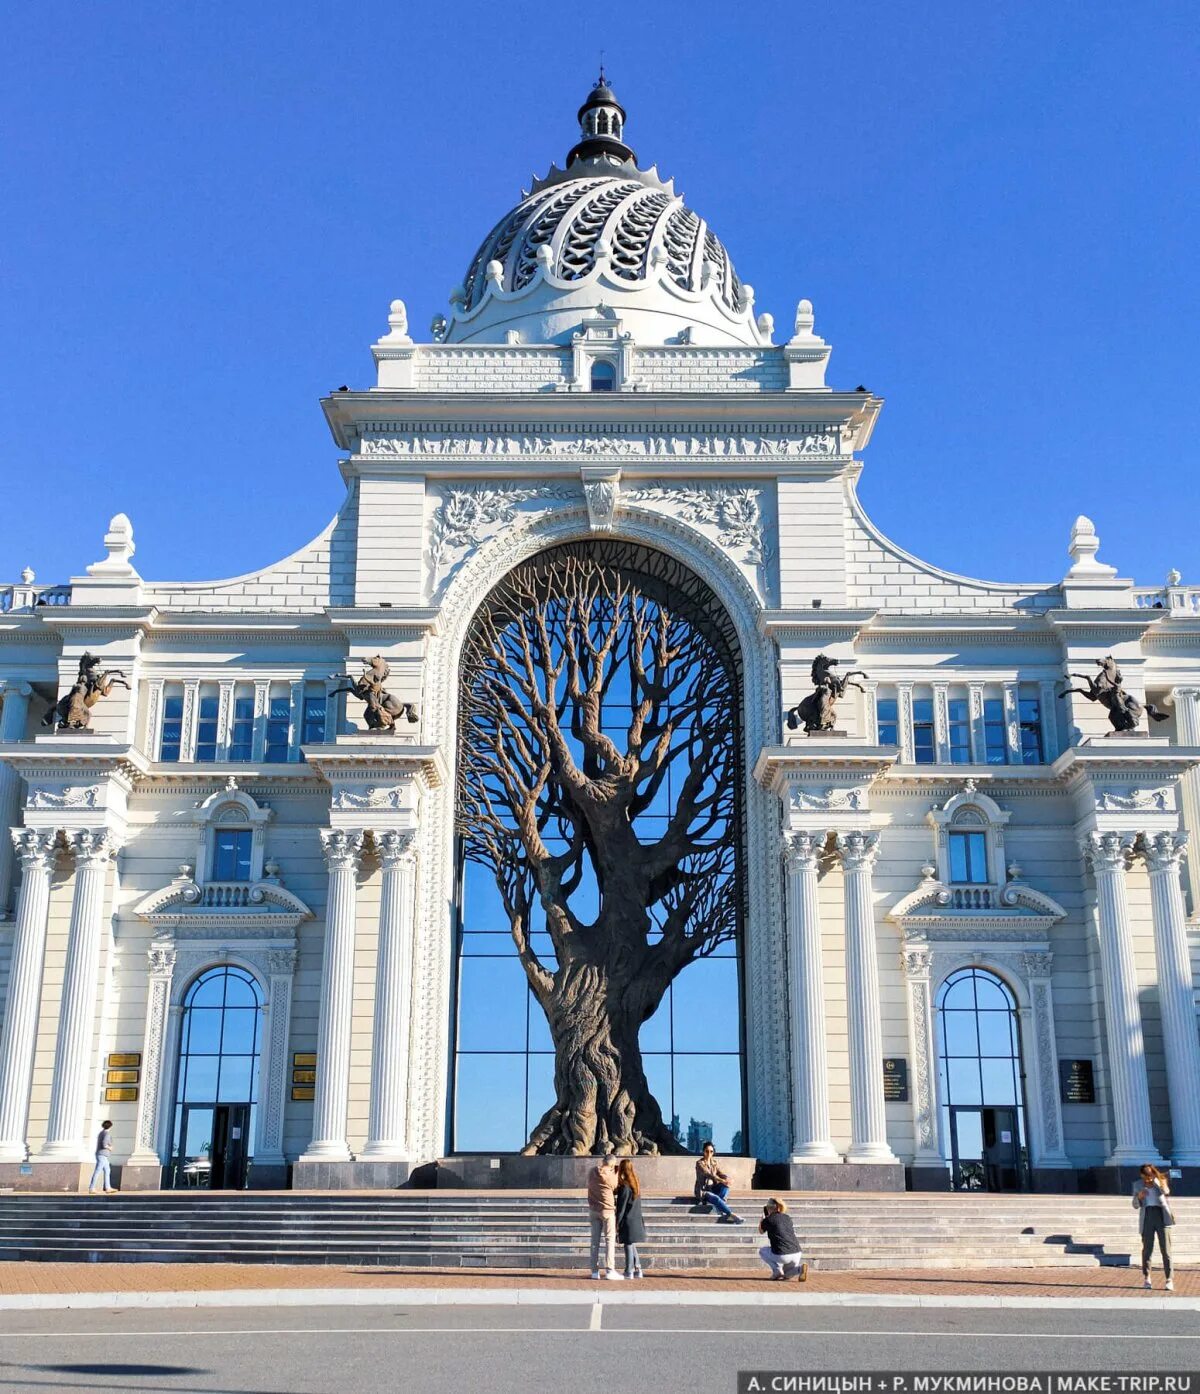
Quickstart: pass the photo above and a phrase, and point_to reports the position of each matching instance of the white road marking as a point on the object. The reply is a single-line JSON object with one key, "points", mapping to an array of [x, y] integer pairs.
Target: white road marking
{"points": [[615, 1331], [595, 1319]]}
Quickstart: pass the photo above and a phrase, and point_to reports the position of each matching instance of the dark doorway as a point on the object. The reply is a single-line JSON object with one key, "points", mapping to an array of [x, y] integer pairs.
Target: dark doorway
{"points": [[985, 1149], [230, 1139]]}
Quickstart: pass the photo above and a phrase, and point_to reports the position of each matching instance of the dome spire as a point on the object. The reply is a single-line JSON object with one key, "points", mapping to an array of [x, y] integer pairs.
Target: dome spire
{"points": [[601, 127]]}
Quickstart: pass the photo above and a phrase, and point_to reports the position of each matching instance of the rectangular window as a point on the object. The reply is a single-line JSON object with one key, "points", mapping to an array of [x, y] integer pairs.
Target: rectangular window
{"points": [[241, 737], [968, 859], [231, 854], [924, 745], [279, 724], [995, 731], [888, 720], [314, 721], [960, 731], [206, 730], [1031, 730], [172, 728]]}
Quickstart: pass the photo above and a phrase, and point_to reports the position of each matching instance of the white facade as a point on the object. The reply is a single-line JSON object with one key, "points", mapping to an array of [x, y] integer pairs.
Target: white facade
{"points": [[598, 376]]}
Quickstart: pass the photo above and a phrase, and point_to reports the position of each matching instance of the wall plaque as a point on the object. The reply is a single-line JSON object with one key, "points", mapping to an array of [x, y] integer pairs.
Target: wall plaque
{"points": [[121, 1094], [1077, 1081], [127, 1061], [304, 1076], [122, 1076], [305, 1091], [304, 1057], [895, 1080]]}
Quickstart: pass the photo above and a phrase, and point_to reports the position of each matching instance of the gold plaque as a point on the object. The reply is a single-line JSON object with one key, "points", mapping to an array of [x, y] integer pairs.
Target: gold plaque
{"points": [[305, 1091], [124, 1062], [122, 1094], [304, 1076], [122, 1077], [304, 1057]]}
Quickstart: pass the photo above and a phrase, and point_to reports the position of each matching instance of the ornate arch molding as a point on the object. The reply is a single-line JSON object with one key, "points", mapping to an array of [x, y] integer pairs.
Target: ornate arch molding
{"points": [[765, 1006], [230, 807]]}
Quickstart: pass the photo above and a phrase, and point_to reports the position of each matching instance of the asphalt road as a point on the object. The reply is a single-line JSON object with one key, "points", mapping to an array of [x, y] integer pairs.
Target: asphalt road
{"points": [[578, 1349]]}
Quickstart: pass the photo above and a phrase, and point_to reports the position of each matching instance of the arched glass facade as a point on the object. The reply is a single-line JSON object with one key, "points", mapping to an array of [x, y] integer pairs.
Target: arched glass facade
{"points": [[216, 1093], [981, 1081]]}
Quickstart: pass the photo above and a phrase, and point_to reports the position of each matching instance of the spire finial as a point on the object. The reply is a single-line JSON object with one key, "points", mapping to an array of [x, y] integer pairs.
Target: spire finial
{"points": [[602, 126]]}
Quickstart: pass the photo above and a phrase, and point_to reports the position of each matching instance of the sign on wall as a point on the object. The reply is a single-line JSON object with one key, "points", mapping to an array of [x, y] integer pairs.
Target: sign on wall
{"points": [[895, 1080], [122, 1077], [304, 1074], [1077, 1081]]}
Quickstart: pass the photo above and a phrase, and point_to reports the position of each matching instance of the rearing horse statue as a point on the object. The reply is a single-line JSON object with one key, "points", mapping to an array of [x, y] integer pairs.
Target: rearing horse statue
{"points": [[72, 712], [819, 709]]}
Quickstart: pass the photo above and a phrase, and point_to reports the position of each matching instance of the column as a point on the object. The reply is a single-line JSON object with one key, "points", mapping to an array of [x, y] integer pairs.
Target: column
{"points": [[904, 719], [1186, 701], [1163, 853], [160, 970], [1046, 1144], [342, 850], [35, 848], [66, 1139], [262, 698], [187, 729], [386, 1139], [1048, 711], [941, 722], [1108, 854], [868, 1126], [806, 1001], [225, 693], [1012, 721], [274, 1071], [13, 716], [917, 961], [978, 733]]}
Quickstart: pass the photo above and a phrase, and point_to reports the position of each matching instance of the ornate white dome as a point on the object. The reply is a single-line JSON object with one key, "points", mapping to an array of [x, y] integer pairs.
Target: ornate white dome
{"points": [[602, 231]]}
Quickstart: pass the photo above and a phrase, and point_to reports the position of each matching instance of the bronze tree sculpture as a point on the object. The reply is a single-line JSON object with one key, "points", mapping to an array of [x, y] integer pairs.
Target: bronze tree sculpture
{"points": [[73, 711], [601, 739], [1107, 688]]}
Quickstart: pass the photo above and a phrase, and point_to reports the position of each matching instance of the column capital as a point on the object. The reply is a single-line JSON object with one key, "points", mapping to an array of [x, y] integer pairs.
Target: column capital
{"points": [[858, 849], [9, 688], [1163, 851], [160, 959], [1108, 851], [94, 847], [917, 961], [342, 848], [35, 847], [1185, 692], [396, 847], [1037, 965], [804, 849]]}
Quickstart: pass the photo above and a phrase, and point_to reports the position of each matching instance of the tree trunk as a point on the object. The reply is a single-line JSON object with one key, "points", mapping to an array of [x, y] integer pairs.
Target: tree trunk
{"points": [[602, 1100]]}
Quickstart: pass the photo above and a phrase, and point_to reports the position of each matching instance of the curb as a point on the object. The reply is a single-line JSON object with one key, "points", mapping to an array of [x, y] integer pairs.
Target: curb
{"points": [[550, 1297]]}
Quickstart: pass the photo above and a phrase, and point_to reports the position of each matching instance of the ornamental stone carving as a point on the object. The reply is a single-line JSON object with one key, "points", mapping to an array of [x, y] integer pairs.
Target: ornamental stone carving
{"points": [[395, 847], [805, 800], [858, 849], [371, 797], [35, 847], [342, 848], [804, 849], [1036, 965], [1108, 851], [1163, 851], [67, 798], [735, 513], [817, 440], [600, 496], [466, 515], [94, 847], [1134, 801]]}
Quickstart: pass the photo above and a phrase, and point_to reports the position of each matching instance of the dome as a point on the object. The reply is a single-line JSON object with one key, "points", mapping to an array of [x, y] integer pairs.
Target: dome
{"points": [[603, 231]]}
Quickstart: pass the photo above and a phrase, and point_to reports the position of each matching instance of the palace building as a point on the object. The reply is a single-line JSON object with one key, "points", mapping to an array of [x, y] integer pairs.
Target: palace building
{"points": [[241, 911]]}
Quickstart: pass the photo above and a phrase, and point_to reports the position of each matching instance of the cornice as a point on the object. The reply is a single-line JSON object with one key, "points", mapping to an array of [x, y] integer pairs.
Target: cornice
{"points": [[176, 777], [361, 757], [399, 623], [53, 756], [75, 619], [1103, 757], [1131, 623], [777, 764], [807, 626], [254, 624]]}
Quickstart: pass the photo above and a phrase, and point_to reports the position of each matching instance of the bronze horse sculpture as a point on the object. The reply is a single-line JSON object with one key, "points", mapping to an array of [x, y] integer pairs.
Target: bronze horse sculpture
{"points": [[819, 709], [72, 712], [383, 710], [1124, 710]]}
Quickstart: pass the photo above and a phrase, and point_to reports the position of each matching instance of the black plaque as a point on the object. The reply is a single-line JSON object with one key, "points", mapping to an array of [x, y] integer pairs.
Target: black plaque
{"points": [[1077, 1083], [895, 1080]]}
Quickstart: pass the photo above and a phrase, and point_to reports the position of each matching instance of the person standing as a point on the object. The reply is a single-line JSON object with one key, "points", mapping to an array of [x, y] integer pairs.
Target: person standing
{"points": [[103, 1168], [712, 1186], [602, 1212], [1154, 1220], [631, 1229], [781, 1253]]}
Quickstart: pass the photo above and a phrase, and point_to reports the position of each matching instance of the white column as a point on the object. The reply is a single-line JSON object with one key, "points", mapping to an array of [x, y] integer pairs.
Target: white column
{"points": [[978, 734], [386, 1138], [224, 718], [18, 1041], [13, 716], [273, 1070], [66, 1139], [262, 698], [1012, 722], [342, 852], [941, 722], [1186, 701], [806, 1001], [1163, 853], [904, 722], [1108, 854], [917, 961], [160, 966], [1046, 1145], [1048, 712], [187, 728], [868, 1126]]}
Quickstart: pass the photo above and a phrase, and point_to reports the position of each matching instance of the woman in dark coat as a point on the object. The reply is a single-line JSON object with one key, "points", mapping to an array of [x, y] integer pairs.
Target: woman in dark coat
{"points": [[631, 1229]]}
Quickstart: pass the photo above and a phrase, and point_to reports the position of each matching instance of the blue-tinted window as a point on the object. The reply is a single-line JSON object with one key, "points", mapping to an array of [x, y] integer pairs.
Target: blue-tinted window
{"points": [[241, 736], [968, 858], [960, 731], [279, 722], [888, 719], [924, 745], [206, 730], [314, 721], [995, 731], [172, 728], [231, 854], [604, 377], [1031, 731]]}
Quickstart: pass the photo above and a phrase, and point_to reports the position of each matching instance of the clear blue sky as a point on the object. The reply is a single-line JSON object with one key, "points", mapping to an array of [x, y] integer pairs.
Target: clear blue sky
{"points": [[207, 210]]}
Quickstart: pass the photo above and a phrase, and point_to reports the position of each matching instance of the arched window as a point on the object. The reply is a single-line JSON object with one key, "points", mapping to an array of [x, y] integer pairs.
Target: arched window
{"points": [[231, 854], [604, 377], [968, 848], [980, 1082], [216, 1092]]}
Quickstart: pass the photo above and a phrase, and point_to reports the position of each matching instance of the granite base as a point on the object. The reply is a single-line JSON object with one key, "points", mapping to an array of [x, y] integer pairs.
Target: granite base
{"points": [[927, 1178], [348, 1176], [663, 1175], [72, 1177], [845, 1176]]}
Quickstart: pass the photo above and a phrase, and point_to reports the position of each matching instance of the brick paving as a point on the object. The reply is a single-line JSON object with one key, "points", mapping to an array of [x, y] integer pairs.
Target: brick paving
{"points": [[212, 1277]]}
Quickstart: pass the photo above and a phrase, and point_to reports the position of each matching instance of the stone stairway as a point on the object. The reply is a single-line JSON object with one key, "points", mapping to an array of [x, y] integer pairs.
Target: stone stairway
{"points": [[413, 1229]]}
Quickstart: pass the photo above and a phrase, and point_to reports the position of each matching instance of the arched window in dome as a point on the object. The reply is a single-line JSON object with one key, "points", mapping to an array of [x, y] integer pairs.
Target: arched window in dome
{"points": [[604, 377], [602, 123]]}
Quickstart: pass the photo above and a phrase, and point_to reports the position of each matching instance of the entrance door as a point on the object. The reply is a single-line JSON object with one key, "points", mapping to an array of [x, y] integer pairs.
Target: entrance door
{"points": [[230, 1139], [985, 1150]]}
